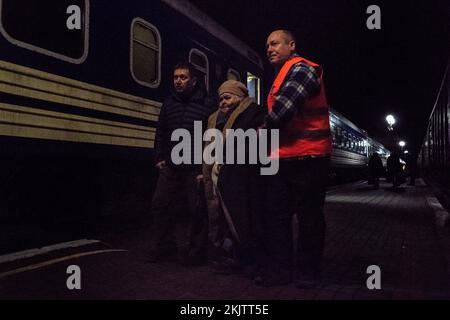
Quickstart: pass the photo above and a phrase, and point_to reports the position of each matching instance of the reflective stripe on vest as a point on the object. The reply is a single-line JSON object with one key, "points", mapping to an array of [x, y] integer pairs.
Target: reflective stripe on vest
{"points": [[308, 132]]}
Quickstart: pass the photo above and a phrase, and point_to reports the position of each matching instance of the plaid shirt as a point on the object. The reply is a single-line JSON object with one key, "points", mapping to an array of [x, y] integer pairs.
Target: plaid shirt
{"points": [[301, 82]]}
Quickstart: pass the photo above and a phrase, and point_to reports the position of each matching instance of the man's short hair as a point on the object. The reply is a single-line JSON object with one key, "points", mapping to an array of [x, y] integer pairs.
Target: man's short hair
{"points": [[289, 36], [187, 66]]}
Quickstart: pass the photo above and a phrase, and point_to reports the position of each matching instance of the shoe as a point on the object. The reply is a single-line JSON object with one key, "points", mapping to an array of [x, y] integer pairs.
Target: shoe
{"points": [[308, 280], [250, 271], [191, 259], [270, 278], [195, 261], [225, 266]]}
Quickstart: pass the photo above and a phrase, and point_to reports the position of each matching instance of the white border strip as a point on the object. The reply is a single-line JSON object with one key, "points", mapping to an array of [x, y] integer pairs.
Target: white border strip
{"points": [[55, 261], [35, 252]]}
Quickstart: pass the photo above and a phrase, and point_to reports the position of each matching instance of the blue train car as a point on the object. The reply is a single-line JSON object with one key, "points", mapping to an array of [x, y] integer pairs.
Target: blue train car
{"points": [[81, 87], [352, 148]]}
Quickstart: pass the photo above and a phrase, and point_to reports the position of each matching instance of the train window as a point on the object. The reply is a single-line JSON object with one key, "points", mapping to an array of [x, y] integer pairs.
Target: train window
{"points": [[56, 28], [145, 53], [233, 75], [344, 139], [338, 136], [333, 132], [201, 63], [254, 87], [333, 137]]}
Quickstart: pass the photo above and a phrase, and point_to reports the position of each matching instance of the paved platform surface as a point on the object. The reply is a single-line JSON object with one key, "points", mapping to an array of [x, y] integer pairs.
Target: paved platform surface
{"points": [[392, 229]]}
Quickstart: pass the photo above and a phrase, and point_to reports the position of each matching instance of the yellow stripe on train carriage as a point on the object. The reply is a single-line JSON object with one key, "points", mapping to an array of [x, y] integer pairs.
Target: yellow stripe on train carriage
{"points": [[32, 83], [27, 122]]}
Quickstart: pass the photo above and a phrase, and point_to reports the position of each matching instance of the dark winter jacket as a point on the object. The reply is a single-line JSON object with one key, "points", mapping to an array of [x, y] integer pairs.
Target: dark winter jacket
{"points": [[375, 166], [180, 112]]}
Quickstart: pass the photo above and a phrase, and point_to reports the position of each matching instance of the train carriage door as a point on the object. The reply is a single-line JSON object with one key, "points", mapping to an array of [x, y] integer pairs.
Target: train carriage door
{"points": [[254, 87], [201, 63]]}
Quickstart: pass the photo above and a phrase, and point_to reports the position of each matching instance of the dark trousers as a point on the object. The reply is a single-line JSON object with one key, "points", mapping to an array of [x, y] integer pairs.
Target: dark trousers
{"points": [[396, 179], [374, 179], [298, 188], [170, 182]]}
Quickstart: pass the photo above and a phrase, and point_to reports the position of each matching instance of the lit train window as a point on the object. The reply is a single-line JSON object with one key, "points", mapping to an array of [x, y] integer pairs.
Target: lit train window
{"points": [[58, 28], [345, 138], [145, 53], [233, 75], [338, 136], [333, 137], [201, 63], [254, 87]]}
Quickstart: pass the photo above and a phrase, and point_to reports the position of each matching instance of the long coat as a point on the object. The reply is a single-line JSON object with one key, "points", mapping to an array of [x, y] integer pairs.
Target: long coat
{"points": [[237, 185]]}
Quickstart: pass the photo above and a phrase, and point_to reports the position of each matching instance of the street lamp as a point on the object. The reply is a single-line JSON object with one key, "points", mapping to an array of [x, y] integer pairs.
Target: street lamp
{"points": [[391, 121], [402, 144]]}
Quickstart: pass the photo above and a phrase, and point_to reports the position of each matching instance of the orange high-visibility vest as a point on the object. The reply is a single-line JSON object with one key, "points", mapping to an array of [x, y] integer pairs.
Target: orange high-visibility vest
{"points": [[308, 132]]}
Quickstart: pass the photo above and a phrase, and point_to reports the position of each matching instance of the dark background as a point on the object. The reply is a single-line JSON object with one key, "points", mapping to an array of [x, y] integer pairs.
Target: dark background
{"points": [[368, 73]]}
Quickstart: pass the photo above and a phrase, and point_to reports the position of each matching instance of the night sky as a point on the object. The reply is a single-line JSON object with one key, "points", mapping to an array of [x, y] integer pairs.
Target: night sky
{"points": [[368, 73]]}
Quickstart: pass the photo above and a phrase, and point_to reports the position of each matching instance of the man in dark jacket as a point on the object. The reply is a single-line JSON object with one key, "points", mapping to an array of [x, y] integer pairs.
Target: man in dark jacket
{"points": [[187, 103], [394, 169], [375, 169]]}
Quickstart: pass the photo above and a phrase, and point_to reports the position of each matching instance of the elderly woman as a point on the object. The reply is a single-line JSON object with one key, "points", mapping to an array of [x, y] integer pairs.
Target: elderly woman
{"points": [[232, 189]]}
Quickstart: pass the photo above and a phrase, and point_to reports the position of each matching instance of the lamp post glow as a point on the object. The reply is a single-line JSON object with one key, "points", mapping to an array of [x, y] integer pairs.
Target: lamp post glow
{"points": [[391, 121], [402, 144]]}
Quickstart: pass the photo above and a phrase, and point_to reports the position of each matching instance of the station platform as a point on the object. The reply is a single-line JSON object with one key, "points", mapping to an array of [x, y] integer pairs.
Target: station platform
{"points": [[403, 232]]}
